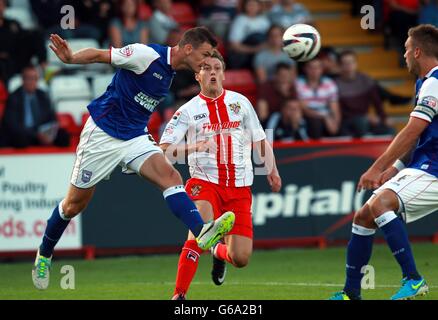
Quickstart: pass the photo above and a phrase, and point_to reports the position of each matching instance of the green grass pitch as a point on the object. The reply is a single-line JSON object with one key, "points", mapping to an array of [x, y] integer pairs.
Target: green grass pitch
{"points": [[286, 274]]}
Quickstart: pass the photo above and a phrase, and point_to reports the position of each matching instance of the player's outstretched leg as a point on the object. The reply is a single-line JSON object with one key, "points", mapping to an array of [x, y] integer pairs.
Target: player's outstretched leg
{"points": [[161, 173], [358, 254], [75, 202]]}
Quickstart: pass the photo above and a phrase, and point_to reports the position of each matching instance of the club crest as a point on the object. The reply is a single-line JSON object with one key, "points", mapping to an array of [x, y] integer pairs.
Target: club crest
{"points": [[235, 107], [195, 190]]}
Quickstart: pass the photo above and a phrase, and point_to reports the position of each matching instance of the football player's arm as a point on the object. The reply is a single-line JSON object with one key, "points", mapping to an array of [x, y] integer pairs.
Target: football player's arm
{"points": [[398, 165], [423, 114], [174, 133], [264, 149], [401, 145], [85, 56]]}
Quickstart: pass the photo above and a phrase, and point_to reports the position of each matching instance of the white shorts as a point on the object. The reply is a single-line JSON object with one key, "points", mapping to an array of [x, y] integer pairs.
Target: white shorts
{"points": [[417, 192], [98, 154]]}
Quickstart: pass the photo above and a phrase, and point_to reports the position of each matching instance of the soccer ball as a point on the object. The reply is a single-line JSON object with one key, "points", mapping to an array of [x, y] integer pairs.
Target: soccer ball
{"points": [[301, 42]]}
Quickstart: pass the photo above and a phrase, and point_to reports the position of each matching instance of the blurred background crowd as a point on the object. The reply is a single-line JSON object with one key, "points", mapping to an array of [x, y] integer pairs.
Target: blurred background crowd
{"points": [[356, 87]]}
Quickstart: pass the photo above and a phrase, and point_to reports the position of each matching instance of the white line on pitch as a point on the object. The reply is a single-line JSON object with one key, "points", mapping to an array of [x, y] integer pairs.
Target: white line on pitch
{"points": [[268, 283]]}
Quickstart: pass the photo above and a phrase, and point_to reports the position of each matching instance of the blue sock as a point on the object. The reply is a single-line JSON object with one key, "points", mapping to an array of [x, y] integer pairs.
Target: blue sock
{"points": [[184, 208], [358, 255], [397, 239], [55, 227]]}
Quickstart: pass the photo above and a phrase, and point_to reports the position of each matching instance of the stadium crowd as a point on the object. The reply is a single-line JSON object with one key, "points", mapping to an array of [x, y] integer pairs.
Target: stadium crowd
{"points": [[326, 97]]}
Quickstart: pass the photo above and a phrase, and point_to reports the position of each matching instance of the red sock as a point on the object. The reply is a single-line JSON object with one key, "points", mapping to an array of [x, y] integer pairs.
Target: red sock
{"points": [[222, 252], [187, 265]]}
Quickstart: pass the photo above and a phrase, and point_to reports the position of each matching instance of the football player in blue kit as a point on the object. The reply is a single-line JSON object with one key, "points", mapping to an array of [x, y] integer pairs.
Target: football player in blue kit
{"points": [[405, 177], [116, 135]]}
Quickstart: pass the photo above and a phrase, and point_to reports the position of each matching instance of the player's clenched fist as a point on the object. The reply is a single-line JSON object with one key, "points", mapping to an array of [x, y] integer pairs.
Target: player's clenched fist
{"points": [[369, 180]]}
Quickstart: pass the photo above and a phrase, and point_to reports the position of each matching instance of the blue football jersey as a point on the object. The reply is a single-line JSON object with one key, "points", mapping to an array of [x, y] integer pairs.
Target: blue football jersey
{"points": [[139, 85], [425, 156]]}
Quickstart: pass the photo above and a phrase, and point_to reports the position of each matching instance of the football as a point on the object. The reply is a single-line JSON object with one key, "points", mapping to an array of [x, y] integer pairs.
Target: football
{"points": [[301, 42]]}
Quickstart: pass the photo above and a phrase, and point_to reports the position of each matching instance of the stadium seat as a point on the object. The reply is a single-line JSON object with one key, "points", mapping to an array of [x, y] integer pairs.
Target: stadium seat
{"points": [[100, 82], [22, 15], [183, 14], [67, 122], [16, 81], [69, 87], [76, 108], [241, 81]]}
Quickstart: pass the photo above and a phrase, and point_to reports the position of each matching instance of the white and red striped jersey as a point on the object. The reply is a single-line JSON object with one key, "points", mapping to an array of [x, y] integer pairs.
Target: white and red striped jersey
{"points": [[231, 122]]}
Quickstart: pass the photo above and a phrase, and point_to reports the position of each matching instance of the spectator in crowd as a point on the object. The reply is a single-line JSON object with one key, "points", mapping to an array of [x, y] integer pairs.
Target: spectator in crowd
{"points": [[288, 125], [319, 96], [247, 35], [329, 59], [288, 12], [273, 93], [266, 60], [429, 12], [217, 15], [29, 119], [161, 22], [402, 16], [97, 13], [128, 28], [10, 33], [357, 92]]}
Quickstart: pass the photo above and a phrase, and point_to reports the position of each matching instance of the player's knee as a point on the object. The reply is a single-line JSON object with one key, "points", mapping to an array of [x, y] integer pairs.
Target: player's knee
{"points": [[384, 202], [72, 209], [239, 260], [364, 218]]}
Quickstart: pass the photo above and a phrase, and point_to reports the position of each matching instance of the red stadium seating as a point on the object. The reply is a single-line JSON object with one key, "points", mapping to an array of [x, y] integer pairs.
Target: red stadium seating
{"points": [[67, 122], [241, 81], [183, 14]]}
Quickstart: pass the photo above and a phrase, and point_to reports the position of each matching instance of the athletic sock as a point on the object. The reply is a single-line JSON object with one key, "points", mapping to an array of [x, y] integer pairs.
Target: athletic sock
{"points": [[398, 241], [187, 266], [184, 208], [358, 255], [221, 252], [56, 225]]}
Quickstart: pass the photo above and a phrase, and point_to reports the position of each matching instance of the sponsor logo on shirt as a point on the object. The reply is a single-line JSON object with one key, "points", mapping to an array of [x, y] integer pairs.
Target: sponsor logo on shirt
{"points": [[200, 116], [158, 76], [220, 126], [147, 102]]}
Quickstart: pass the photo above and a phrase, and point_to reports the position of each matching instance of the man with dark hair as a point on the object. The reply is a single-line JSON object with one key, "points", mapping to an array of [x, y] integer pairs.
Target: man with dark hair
{"points": [[405, 177], [29, 119], [357, 92], [116, 134]]}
